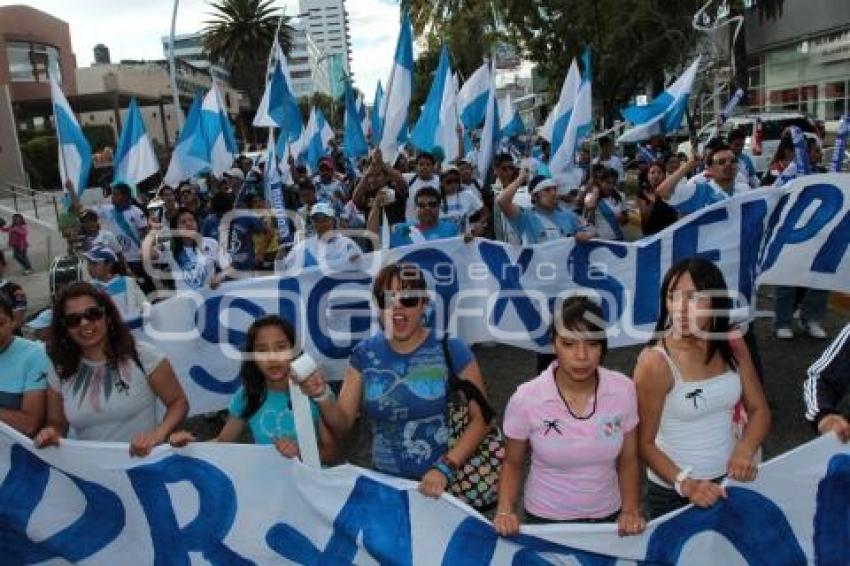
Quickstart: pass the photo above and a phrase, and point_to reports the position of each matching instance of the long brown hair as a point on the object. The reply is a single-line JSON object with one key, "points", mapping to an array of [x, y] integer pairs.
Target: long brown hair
{"points": [[65, 353]]}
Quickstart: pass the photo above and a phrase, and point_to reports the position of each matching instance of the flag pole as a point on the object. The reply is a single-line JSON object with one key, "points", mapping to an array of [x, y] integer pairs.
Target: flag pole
{"points": [[173, 70]]}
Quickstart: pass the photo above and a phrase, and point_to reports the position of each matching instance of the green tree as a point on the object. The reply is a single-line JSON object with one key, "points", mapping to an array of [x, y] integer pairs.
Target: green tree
{"points": [[240, 34], [632, 41]]}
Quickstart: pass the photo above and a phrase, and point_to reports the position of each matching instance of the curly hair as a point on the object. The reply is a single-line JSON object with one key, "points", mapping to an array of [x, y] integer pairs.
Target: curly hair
{"points": [[65, 353]]}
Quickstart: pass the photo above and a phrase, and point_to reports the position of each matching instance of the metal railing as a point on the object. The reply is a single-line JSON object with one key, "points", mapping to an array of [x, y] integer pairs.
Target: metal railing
{"points": [[24, 200]]}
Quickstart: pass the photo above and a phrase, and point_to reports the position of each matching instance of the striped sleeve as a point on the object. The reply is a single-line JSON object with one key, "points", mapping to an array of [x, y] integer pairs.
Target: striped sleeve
{"points": [[828, 378]]}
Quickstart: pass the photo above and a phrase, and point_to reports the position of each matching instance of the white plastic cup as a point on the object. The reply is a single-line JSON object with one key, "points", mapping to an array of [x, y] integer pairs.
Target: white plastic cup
{"points": [[302, 367]]}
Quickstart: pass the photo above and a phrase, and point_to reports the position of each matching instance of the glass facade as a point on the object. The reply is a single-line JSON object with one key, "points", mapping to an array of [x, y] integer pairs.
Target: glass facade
{"points": [[811, 76], [30, 62]]}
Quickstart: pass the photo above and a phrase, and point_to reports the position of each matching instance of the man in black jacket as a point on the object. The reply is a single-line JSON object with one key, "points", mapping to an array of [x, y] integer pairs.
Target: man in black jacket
{"points": [[827, 385]]}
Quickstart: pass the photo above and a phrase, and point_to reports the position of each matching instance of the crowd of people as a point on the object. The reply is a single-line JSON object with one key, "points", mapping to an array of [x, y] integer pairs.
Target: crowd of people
{"points": [[693, 413]]}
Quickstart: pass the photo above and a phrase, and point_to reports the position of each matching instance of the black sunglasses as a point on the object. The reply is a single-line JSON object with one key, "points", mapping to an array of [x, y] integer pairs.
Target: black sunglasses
{"points": [[428, 204], [407, 300], [91, 314]]}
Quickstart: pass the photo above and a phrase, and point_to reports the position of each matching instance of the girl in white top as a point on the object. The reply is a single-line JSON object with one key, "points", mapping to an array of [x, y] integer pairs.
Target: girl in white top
{"points": [[193, 260], [103, 385], [459, 206], [689, 381]]}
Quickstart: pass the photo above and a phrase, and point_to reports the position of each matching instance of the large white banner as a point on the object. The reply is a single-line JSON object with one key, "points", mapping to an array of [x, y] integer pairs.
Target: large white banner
{"points": [[490, 291], [90, 503]]}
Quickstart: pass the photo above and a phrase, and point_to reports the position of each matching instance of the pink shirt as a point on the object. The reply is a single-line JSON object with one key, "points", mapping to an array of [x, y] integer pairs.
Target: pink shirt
{"points": [[573, 471]]}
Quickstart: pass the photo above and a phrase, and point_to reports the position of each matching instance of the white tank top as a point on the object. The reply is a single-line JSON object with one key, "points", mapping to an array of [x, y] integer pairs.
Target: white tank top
{"points": [[696, 422]]}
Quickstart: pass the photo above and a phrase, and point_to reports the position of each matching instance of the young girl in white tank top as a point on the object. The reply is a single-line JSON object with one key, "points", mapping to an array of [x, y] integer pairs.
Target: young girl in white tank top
{"points": [[689, 382]]}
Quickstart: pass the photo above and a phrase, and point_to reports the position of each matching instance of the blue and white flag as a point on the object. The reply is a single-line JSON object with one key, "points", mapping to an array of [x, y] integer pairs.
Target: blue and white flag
{"points": [[74, 150], [491, 135], [579, 125], [135, 159], [664, 113], [399, 91], [510, 119], [437, 124], [354, 139], [555, 126], [315, 140], [362, 114], [375, 117], [219, 133], [273, 186], [840, 144], [279, 106], [191, 153], [473, 96]]}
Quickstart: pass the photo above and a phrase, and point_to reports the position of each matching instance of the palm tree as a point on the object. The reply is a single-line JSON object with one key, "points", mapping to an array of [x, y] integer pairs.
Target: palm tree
{"points": [[240, 34]]}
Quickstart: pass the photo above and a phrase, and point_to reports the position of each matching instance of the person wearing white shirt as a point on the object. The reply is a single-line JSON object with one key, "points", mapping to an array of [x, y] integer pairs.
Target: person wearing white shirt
{"points": [[326, 248], [746, 168], [108, 274], [718, 184], [607, 158], [192, 260], [459, 206], [424, 177]]}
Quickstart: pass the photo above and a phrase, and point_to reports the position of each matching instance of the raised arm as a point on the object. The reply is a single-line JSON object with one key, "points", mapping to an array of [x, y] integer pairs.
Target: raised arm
{"points": [[668, 185], [505, 199]]}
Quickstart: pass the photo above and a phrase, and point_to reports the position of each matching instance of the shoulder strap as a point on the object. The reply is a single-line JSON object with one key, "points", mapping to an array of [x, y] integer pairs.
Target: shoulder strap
{"points": [[674, 369], [469, 389]]}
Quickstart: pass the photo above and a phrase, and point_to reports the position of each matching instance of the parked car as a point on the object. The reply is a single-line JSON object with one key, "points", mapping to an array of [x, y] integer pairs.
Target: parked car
{"points": [[772, 126]]}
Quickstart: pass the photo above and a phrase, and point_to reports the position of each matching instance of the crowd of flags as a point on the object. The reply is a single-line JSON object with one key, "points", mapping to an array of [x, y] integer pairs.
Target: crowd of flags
{"points": [[451, 113]]}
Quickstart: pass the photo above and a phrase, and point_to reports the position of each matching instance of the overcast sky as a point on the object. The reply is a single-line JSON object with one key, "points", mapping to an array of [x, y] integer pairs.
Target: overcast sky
{"points": [[132, 29]]}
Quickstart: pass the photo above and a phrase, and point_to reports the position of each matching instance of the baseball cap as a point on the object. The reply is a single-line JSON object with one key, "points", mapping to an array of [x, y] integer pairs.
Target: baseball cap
{"points": [[326, 161], [236, 173], [539, 183], [449, 169], [42, 321], [101, 253], [323, 208]]}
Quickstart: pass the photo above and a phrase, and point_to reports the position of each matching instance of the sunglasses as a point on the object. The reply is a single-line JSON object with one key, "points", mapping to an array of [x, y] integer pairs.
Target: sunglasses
{"points": [[407, 300], [91, 314], [428, 204]]}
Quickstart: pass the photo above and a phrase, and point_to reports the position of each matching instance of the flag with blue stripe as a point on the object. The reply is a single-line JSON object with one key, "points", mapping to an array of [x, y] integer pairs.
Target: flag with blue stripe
{"points": [[377, 107], [216, 128], [555, 127], [279, 106], [399, 91], [579, 125], [75, 155], [354, 140], [135, 159], [490, 136], [510, 119], [664, 113], [473, 96], [437, 124], [191, 152]]}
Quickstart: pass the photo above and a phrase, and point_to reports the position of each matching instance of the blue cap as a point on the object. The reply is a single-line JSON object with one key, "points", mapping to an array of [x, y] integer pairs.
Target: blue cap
{"points": [[101, 253]]}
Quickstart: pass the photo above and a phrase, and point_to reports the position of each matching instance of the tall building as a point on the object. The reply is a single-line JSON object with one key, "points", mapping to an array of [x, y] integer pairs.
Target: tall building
{"points": [[308, 64], [190, 48], [327, 23], [32, 44], [101, 54]]}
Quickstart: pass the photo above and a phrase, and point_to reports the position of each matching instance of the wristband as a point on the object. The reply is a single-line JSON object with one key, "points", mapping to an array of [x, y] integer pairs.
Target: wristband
{"points": [[444, 469], [683, 474]]}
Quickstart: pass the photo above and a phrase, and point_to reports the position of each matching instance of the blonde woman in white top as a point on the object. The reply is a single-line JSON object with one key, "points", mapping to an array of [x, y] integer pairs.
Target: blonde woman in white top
{"points": [[689, 381]]}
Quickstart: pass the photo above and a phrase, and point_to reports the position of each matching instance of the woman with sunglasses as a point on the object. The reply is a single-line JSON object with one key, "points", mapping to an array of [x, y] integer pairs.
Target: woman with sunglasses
{"points": [[689, 380], [400, 377], [460, 206], [103, 385]]}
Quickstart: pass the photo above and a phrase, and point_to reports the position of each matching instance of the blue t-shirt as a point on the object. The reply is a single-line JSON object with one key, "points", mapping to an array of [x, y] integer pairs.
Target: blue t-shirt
{"points": [[698, 193], [23, 368], [274, 419], [404, 398], [240, 244], [405, 233], [536, 226]]}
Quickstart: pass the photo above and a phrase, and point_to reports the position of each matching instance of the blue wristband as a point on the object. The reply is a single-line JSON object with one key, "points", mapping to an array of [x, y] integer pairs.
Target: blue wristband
{"points": [[444, 469]]}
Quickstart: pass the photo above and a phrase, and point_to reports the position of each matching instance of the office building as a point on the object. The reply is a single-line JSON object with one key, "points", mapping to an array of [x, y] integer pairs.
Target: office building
{"points": [[327, 23]]}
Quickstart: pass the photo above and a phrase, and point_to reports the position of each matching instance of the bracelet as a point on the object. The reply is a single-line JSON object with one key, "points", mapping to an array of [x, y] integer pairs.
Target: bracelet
{"points": [[505, 513], [444, 469], [683, 474]]}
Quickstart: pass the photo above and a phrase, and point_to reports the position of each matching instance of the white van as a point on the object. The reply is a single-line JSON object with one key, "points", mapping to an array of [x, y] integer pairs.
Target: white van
{"points": [[772, 126]]}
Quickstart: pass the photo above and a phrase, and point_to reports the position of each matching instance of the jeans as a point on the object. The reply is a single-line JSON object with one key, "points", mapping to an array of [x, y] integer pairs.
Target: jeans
{"points": [[532, 519], [661, 500], [20, 256], [812, 307]]}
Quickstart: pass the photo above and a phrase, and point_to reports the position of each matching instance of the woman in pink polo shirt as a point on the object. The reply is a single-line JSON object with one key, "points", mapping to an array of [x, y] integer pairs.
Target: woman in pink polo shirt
{"points": [[579, 421]]}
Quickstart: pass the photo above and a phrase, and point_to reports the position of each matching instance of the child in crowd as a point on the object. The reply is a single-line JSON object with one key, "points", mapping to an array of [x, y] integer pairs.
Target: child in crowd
{"points": [[108, 273], [263, 402], [18, 241]]}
